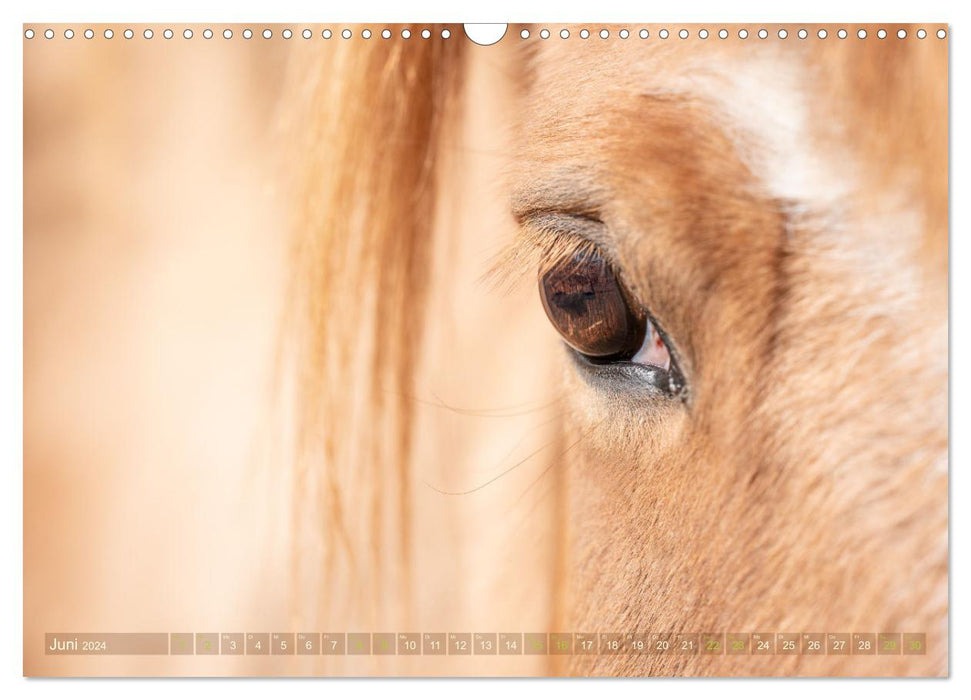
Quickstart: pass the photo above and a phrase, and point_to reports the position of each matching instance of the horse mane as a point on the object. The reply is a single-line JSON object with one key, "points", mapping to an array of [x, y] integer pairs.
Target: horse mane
{"points": [[373, 115]]}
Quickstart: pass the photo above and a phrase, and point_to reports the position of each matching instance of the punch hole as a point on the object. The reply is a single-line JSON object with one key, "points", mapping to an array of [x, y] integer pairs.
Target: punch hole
{"points": [[901, 33], [327, 34], [207, 34], [643, 34], [425, 34], [366, 34], [247, 34], [544, 34], [227, 34], [68, 33], [109, 33], [841, 33], [821, 33], [861, 34], [624, 33], [743, 33], [783, 34], [306, 33], [89, 34], [683, 34], [763, 34], [148, 34], [604, 34], [524, 34], [702, 33], [287, 34], [187, 34], [346, 34], [584, 33], [446, 33], [803, 34], [564, 33], [49, 33], [664, 33], [921, 34], [882, 34], [941, 34], [168, 34], [267, 33], [129, 34], [484, 34], [722, 33], [405, 33], [385, 33], [29, 34]]}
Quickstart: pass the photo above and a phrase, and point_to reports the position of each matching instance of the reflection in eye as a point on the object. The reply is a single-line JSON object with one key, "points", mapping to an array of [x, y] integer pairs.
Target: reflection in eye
{"points": [[596, 315]]}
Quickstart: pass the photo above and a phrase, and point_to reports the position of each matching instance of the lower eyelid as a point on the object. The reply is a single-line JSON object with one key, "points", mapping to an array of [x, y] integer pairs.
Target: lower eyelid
{"points": [[630, 378]]}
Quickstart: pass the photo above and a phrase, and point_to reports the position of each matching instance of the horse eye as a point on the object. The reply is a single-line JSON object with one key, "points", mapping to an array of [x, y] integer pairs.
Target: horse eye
{"points": [[596, 315]]}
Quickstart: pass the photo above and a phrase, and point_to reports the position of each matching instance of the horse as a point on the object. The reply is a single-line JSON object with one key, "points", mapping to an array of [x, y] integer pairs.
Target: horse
{"points": [[726, 408]]}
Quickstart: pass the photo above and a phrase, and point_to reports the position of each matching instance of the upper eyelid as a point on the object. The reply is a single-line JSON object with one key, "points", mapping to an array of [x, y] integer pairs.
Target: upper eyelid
{"points": [[564, 223], [567, 195]]}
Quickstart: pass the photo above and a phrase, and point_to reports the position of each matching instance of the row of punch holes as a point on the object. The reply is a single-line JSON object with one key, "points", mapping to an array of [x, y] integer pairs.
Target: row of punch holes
{"points": [[446, 33]]}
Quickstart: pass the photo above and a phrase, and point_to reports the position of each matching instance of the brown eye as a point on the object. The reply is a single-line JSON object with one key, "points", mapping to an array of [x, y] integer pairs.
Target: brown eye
{"points": [[590, 308]]}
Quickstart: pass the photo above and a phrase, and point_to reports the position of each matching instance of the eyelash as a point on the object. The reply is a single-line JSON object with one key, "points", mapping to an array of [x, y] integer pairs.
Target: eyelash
{"points": [[541, 244]]}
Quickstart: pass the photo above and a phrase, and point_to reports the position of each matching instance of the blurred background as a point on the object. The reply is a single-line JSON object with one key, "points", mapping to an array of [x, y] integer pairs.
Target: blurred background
{"points": [[154, 254]]}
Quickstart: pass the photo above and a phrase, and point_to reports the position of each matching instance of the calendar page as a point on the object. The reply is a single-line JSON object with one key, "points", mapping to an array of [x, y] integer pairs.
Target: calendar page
{"points": [[485, 350]]}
